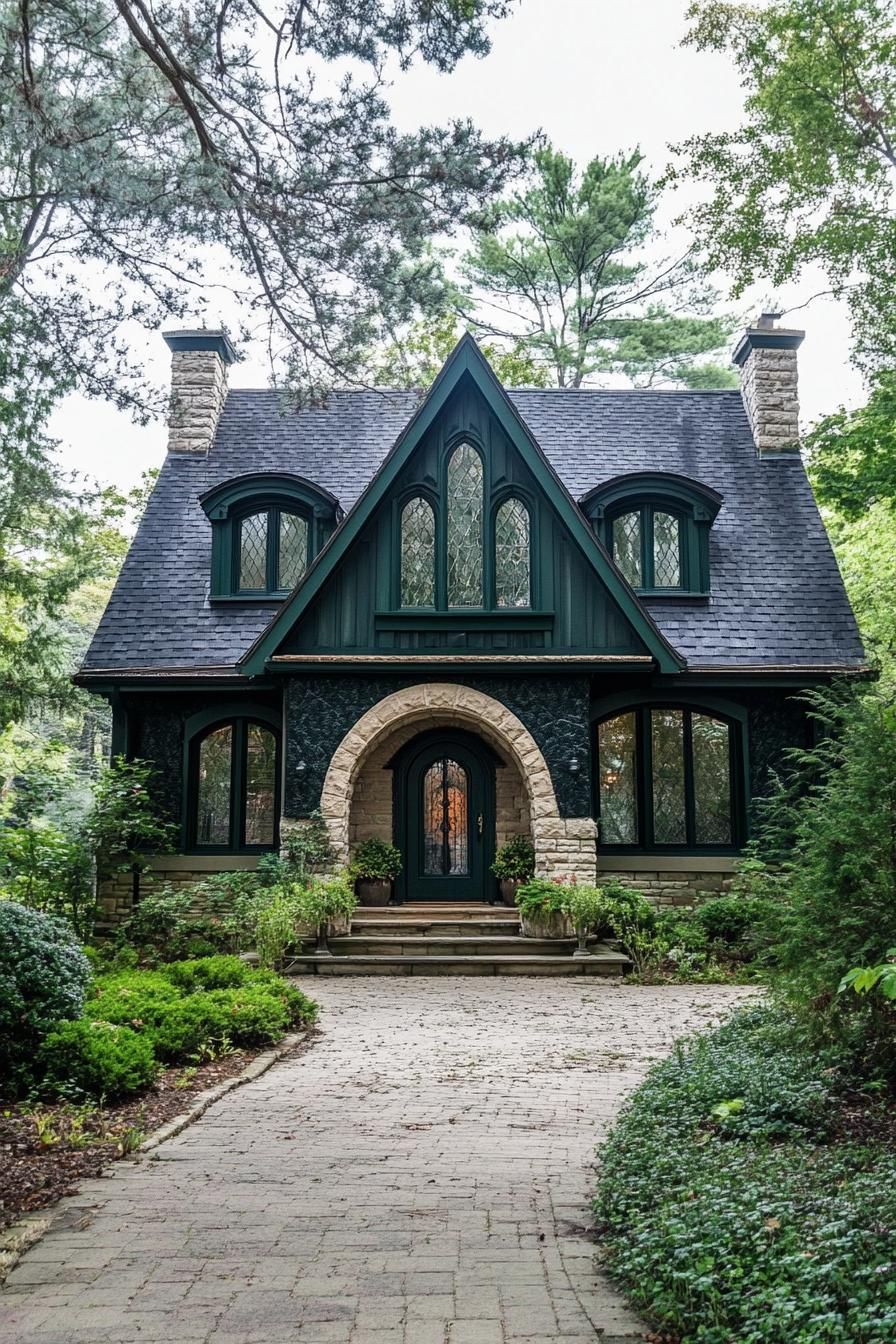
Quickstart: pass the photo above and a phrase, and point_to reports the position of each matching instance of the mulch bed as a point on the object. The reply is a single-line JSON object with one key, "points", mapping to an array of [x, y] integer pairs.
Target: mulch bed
{"points": [[45, 1149]]}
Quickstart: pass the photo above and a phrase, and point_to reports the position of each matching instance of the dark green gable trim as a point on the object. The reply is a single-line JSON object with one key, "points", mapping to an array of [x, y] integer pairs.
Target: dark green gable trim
{"points": [[466, 361]]}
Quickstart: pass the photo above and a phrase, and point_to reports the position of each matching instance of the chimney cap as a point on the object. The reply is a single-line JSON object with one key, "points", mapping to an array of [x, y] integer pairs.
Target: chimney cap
{"points": [[766, 335], [213, 339]]}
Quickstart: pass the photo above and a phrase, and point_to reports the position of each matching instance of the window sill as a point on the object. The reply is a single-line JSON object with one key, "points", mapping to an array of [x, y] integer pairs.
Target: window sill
{"points": [[672, 594], [247, 599], [428, 618]]}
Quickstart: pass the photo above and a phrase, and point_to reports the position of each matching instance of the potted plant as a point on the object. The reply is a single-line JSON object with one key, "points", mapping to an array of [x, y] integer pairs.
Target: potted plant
{"points": [[375, 865], [543, 908], [588, 909], [327, 906], [514, 864]]}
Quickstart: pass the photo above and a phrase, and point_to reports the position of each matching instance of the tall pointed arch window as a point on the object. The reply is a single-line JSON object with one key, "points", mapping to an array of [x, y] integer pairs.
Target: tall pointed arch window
{"points": [[418, 554], [465, 527], [513, 579]]}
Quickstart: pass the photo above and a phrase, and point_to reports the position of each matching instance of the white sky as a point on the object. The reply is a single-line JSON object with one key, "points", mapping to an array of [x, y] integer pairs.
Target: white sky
{"points": [[596, 76]]}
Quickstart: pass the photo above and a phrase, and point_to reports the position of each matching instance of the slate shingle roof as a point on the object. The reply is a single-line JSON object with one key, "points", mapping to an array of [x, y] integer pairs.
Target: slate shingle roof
{"points": [[777, 596]]}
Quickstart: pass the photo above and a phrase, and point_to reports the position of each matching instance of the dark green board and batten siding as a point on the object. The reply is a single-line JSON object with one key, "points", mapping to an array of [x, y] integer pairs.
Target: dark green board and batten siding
{"points": [[358, 610]]}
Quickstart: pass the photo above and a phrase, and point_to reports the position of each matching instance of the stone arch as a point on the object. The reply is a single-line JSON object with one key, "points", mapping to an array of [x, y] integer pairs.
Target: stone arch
{"points": [[562, 845]]}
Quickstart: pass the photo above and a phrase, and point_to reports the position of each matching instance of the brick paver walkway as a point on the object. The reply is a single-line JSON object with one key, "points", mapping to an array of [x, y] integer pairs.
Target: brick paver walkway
{"points": [[420, 1176]]}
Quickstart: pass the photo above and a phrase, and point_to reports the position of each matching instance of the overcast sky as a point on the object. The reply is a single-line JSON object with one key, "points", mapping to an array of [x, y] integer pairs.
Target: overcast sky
{"points": [[596, 76]]}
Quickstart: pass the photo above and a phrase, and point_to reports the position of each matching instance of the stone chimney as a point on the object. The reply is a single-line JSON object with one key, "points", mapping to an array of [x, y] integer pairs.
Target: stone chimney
{"points": [[199, 362], [766, 356]]}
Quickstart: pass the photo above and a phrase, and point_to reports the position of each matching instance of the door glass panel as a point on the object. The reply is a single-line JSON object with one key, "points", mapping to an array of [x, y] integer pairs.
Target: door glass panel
{"points": [[617, 781], [627, 546], [512, 554], [253, 551], [465, 528], [292, 553], [445, 820], [261, 755], [667, 741], [666, 551], [213, 792], [712, 780], [418, 554]]}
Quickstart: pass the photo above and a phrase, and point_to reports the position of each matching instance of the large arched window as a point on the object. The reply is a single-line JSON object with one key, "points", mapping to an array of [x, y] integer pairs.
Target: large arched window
{"points": [[465, 527], [234, 787], [418, 554], [513, 585], [667, 779]]}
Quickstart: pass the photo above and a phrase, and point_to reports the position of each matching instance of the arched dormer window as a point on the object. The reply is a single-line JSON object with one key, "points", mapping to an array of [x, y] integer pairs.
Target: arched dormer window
{"points": [[266, 530], [233, 776], [656, 527], [466, 546]]}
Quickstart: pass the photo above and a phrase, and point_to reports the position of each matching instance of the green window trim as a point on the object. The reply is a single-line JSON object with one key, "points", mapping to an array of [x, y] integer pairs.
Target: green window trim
{"points": [[647, 494], [227, 506], [200, 729], [492, 585], [641, 716]]}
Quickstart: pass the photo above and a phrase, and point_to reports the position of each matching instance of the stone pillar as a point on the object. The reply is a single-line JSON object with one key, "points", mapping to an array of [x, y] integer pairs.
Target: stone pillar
{"points": [[766, 356], [199, 363]]}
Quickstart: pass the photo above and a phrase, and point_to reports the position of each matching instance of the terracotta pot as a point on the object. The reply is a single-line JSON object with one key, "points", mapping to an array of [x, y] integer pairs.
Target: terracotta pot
{"points": [[553, 924], [374, 891], [509, 886]]}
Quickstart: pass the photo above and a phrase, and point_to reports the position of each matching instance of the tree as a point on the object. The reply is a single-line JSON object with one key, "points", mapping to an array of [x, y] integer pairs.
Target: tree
{"points": [[810, 174], [563, 267], [866, 553], [153, 155], [415, 357], [852, 454]]}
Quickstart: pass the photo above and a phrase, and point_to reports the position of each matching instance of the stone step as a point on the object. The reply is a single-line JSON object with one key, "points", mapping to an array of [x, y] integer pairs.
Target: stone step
{"points": [[601, 963], [435, 928], [464, 943]]}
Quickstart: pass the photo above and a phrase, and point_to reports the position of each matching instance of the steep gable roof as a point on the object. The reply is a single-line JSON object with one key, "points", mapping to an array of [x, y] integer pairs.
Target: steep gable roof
{"points": [[465, 361], [777, 596]]}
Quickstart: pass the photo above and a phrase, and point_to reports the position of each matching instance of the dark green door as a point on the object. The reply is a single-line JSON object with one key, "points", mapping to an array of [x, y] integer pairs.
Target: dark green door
{"points": [[445, 819]]}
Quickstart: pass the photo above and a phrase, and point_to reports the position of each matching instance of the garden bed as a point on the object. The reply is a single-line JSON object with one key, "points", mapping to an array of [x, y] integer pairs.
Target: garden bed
{"points": [[47, 1148], [748, 1192]]}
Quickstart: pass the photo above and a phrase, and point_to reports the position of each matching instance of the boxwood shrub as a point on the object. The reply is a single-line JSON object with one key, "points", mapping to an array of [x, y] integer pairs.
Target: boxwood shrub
{"points": [[99, 1060], [44, 977], [135, 999], [730, 1208]]}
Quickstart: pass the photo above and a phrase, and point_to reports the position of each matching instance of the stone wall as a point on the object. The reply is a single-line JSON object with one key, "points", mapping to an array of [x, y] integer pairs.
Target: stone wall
{"points": [[198, 390], [183, 872], [677, 888], [767, 355]]}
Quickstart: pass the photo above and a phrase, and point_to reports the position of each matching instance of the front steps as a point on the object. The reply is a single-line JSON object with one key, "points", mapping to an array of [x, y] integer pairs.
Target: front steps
{"points": [[450, 939]]}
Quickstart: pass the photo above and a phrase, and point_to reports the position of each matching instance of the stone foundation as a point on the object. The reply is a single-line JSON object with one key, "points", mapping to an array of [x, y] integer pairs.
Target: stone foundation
{"points": [[672, 888], [179, 871]]}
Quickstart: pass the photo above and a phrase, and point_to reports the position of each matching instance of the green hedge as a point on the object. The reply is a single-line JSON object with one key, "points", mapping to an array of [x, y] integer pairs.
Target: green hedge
{"points": [[96, 1059], [729, 1209]]}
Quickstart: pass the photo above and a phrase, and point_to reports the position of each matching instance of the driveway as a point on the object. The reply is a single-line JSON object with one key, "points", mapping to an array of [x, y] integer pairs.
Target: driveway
{"points": [[421, 1175]]}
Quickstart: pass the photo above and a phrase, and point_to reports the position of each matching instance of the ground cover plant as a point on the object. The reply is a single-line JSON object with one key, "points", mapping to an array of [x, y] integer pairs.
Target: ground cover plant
{"points": [[748, 1193]]}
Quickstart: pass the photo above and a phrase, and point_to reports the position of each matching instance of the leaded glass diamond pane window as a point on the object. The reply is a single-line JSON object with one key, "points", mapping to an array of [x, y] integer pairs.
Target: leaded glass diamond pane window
{"points": [[667, 749], [418, 554], [465, 508], [627, 546], [512, 580], [213, 792], [292, 550], [617, 766], [712, 780], [666, 551], [261, 759], [253, 551]]}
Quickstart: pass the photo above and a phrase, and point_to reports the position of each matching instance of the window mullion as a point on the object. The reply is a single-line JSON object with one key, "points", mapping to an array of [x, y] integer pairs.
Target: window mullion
{"points": [[689, 801], [644, 748], [237, 786], [272, 546], [647, 546]]}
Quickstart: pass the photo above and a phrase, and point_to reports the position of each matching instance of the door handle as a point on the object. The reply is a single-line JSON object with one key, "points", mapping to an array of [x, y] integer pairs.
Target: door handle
{"points": [[479, 825]]}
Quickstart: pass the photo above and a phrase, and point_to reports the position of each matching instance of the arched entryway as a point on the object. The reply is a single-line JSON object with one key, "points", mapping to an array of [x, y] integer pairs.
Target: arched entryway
{"points": [[444, 816]]}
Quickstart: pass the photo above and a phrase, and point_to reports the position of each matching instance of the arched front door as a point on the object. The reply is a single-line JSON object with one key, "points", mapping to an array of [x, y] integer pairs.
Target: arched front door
{"points": [[445, 818]]}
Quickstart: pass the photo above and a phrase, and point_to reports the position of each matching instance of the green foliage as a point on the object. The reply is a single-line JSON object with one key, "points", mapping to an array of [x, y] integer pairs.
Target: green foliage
{"points": [[96, 1059], [587, 907], [278, 925], [558, 270], [306, 850], [862, 979], [515, 860], [539, 897], [44, 977], [207, 973], [49, 869], [125, 822], [248, 1015], [807, 178], [137, 999], [415, 357], [729, 1207], [376, 860]]}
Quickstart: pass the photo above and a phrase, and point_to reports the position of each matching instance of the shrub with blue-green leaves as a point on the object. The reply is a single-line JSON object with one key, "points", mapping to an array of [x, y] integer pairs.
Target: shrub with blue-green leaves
{"points": [[99, 1060], [44, 977], [730, 1206]]}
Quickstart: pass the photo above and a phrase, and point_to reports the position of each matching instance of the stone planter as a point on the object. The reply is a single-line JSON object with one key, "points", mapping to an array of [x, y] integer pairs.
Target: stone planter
{"points": [[339, 926], [374, 891], [509, 886], [550, 924]]}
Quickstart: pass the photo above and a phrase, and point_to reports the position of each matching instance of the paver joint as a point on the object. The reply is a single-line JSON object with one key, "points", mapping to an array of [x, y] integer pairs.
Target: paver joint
{"points": [[421, 1176]]}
